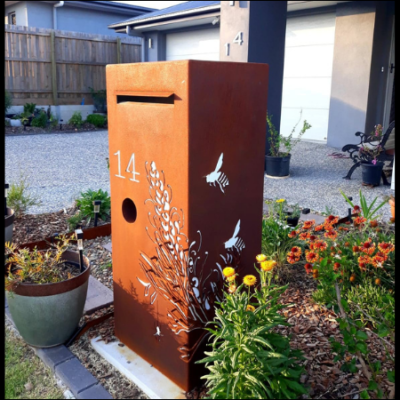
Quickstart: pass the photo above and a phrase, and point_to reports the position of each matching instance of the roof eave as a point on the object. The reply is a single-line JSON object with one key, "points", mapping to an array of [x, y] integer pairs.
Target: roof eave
{"points": [[166, 16]]}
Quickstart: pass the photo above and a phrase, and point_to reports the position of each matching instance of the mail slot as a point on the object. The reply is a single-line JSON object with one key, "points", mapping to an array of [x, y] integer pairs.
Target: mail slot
{"points": [[186, 143]]}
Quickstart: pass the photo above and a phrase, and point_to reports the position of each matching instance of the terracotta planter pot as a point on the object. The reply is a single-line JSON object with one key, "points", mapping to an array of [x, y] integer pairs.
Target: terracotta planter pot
{"points": [[47, 315]]}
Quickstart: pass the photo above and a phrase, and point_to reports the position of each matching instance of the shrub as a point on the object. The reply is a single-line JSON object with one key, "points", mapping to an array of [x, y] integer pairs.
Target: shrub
{"points": [[29, 108], [18, 199], [76, 119], [53, 120], [7, 101], [248, 359], [74, 221], [99, 99], [37, 267], [40, 121], [97, 120], [7, 122], [85, 204]]}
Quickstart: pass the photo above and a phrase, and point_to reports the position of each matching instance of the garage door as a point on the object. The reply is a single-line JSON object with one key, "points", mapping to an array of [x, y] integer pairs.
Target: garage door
{"points": [[194, 45], [308, 74]]}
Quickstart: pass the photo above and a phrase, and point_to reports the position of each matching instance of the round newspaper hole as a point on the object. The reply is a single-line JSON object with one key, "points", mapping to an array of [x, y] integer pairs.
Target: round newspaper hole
{"points": [[129, 210]]}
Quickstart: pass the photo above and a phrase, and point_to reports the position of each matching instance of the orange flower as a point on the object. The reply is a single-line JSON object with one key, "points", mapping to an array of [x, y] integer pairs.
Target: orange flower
{"points": [[373, 224], [312, 238], [291, 258], [296, 250], [368, 248], [328, 227], [336, 266], [320, 245], [308, 268], [293, 234], [332, 234], [378, 261], [319, 228], [364, 260], [312, 256], [352, 278], [356, 209], [363, 267], [386, 248], [308, 224], [377, 281], [315, 273], [359, 221], [331, 220], [383, 255], [342, 228], [347, 244], [304, 236], [356, 249]]}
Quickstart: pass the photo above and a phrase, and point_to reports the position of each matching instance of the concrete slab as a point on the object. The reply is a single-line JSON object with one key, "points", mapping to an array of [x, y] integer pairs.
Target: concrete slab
{"points": [[151, 381], [98, 296]]}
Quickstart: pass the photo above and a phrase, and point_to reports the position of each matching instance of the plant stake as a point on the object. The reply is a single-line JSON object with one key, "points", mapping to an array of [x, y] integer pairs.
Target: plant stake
{"points": [[79, 236], [6, 186], [96, 204]]}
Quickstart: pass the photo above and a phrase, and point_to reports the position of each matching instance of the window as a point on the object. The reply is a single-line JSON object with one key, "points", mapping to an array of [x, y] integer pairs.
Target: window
{"points": [[12, 19]]}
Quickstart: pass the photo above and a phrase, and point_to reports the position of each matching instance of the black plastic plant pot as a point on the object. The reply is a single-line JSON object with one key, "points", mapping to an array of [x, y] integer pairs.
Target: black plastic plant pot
{"points": [[292, 221], [371, 173], [277, 167]]}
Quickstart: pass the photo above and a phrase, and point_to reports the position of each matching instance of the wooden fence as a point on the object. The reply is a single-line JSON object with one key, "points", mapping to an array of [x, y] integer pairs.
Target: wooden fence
{"points": [[46, 66]]}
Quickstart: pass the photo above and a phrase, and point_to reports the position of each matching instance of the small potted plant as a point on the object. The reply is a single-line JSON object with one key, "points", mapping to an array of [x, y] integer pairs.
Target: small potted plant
{"points": [[277, 163], [46, 291], [290, 215], [368, 154], [293, 215]]}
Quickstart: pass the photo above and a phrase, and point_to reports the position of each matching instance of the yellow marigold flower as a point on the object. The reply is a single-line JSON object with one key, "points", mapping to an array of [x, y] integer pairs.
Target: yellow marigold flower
{"points": [[261, 257], [249, 280], [228, 271], [250, 308], [268, 265], [280, 200]]}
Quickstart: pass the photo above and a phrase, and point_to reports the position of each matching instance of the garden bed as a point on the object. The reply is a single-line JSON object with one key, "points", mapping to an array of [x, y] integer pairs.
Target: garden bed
{"points": [[35, 227], [66, 128]]}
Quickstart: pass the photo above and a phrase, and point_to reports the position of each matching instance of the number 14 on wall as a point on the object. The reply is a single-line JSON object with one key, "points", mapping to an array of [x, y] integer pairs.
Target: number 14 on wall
{"points": [[131, 162]]}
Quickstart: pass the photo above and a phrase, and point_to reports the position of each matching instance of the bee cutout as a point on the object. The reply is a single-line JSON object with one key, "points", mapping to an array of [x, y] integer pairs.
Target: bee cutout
{"points": [[158, 333], [235, 241], [217, 176]]}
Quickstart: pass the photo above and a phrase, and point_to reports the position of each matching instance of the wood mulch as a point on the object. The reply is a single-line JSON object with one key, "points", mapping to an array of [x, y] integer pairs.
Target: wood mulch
{"points": [[66, 128], [35, 227]]}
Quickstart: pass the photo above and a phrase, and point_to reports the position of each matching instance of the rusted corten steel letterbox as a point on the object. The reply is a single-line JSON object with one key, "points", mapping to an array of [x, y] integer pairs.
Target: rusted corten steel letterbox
{"points": [[186, 142]]}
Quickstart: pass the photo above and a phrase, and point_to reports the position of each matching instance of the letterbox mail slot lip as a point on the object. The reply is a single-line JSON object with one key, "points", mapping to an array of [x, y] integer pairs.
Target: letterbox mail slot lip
{"points": [[158, 98], [144, 94]]}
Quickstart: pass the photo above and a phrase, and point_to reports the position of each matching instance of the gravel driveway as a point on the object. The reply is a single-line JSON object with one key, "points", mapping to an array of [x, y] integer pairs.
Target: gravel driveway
{"points": [[316, 180], [60, 166]]}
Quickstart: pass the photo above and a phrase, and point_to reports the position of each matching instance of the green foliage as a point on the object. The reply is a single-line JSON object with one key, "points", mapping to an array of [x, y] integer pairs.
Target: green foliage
{"points": [[275, 234], [97, 120], [18, 199], [53, 121], [40, 121], [106, 266], [368, 303], [329, 210], [367, 211], [29, 108], [85, 204], [74, 221], [99, 99], [7, 122], [248, 359], [7, 101], [76, 119], [277, 141]]}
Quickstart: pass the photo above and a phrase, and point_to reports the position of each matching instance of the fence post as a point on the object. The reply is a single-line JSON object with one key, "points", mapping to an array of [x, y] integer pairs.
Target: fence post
{"points": [[118, 50], [53, 68]]}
